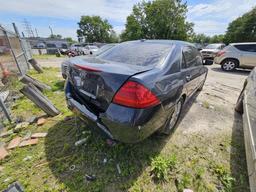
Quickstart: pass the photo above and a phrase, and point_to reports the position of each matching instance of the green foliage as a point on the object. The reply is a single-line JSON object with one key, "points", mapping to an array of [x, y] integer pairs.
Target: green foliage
{"points": [[161, 165], [159, 19], [184, 182], [224, 177], [242, 29], [204, 39], [70, 40], [95, 29], [53, 36]]}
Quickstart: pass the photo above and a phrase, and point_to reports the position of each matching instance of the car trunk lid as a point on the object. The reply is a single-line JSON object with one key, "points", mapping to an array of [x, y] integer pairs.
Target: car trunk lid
{"points": [[97, 81]]}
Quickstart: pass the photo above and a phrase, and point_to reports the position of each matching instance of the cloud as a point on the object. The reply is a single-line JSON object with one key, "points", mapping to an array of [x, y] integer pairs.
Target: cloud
{"points": [[116, 10], [213, 18]]}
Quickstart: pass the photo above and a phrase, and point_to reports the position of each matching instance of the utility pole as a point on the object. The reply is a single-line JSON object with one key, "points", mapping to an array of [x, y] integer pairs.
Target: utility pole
{"points": [[51, 30], [27, 27]]}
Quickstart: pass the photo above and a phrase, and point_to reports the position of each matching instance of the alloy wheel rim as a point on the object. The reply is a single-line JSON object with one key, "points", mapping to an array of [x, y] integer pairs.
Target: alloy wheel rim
{"points": [[229, 65], [175, 115]]}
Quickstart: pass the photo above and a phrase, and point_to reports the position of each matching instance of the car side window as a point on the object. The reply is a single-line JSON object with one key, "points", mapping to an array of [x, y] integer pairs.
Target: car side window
{"points": [[191, 56], [246, 47]]}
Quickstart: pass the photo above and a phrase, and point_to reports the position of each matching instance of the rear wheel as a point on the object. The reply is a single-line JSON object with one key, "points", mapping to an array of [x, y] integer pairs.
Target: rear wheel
{"points": [[173, 119], [239, 104], [229, 64]]}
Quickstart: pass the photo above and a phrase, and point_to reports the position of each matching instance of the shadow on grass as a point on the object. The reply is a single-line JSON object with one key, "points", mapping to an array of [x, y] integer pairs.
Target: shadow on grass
{"points": [[70, 164], [237, 156], [58, 86]]}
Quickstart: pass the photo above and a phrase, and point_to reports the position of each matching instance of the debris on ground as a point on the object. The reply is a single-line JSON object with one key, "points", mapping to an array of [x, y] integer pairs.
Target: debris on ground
{"points": [[35, 65], [41, 121], [3, 153], [90, 177], [6, 134], [37, 97], [27, 136], [14, 143], [38, 135], [27, 158], [118, 168], [81, 141], [32, 119], [105, 160], [67, 118], [187, 190], [28, 142], [15, 187], [21, 126], [26, 79], [111, 142], [72, 167]]}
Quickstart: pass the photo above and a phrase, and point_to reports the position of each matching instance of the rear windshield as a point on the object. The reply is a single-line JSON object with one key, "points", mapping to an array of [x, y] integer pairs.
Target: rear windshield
{"points": [[138, 53]]}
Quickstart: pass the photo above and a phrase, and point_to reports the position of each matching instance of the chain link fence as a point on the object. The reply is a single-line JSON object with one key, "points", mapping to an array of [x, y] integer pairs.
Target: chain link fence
{"points": [[14, 55]]}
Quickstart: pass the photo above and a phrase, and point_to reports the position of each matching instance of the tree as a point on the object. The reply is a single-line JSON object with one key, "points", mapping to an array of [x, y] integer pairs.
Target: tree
{"points": [[53, 36], [217, 39], [158, 19], [70, 40], [200, 38], [242, 29], [94, 29]]}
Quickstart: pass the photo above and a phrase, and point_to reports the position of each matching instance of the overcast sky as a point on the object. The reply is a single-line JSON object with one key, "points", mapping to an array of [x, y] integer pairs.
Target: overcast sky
{"points": [[210, 17]]}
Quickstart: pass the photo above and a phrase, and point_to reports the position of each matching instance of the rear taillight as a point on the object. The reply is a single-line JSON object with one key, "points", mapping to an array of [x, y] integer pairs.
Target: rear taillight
{"points": [[86, 68], [135, 95], [220, 53]]}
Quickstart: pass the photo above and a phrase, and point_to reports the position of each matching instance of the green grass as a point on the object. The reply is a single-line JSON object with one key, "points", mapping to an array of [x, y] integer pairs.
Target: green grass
{"points": [[45, 56], [155, 164]]}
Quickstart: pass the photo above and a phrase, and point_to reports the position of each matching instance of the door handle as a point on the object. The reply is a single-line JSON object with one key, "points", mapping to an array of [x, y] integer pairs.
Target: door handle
{"points": [[188, 77]]}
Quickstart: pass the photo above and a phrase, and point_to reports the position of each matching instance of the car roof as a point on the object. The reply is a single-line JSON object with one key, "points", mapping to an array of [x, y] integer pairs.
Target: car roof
{"points": [[162, 41], [244, 43]]}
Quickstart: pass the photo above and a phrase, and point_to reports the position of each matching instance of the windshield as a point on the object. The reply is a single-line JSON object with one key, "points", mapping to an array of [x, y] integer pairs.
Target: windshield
{"points": [[104, 48], [213, 46], [138, 53]]}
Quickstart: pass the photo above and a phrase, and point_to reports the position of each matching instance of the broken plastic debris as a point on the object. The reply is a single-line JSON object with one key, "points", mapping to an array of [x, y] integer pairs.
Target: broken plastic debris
{"points": [[15, 187], [81, 141], [72, 167], [118, 168], [27, 158], [90, 177], [187, 190], [105, 160]]}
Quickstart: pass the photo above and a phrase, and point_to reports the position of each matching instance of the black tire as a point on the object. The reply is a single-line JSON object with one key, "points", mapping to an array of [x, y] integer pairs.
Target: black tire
{"points": [[239, 104], [170, 126], [229, 64]]}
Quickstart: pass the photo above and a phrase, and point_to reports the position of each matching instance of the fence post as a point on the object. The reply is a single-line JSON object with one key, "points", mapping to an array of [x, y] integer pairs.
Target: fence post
{"points": [[2, 105], [21, 44], [13, 54]]}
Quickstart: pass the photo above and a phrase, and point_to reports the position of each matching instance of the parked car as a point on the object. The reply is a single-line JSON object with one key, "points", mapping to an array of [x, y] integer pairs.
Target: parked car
{"points": [[90, 49], [136, 88], [237, 55], [210, 51], [246, 105], [64, 64], [104, 48]]}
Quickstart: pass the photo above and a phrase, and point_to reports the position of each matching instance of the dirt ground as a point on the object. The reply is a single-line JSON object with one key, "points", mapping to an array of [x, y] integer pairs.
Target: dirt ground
{"points": [[207, 144]]}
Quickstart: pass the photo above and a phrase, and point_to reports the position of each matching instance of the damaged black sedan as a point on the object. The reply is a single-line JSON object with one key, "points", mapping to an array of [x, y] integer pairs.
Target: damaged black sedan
{"points": [[135, 88]]}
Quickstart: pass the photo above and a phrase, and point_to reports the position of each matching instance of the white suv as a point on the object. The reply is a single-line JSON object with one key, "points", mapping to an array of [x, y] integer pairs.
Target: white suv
{"points": [[237, 55]]}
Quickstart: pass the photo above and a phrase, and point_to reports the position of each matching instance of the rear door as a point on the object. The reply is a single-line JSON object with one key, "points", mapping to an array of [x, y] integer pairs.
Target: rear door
{"points": [[248, 54], [191, 68]]}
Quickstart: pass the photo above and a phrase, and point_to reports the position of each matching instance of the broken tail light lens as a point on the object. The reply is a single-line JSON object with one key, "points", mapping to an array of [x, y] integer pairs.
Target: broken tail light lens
{"points": [[135, 95]]}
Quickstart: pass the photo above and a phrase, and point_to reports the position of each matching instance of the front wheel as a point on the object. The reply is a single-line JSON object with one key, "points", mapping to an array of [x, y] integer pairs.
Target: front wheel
{"points": [[229, 65], [173, 119]]}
